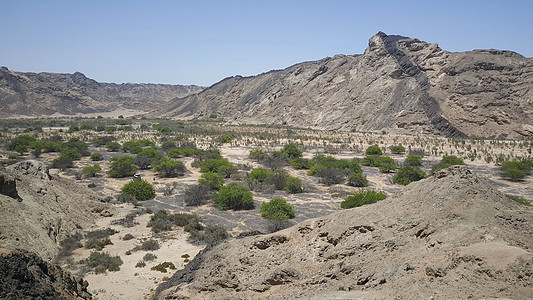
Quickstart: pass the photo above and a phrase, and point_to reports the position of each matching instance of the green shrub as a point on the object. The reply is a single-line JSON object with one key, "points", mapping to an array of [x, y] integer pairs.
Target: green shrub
{"points": [[97, 157], [293, 185], [174, 153], [259, 174], [292, 151], [163, 221], [448, 161], [92, 170], [165, 146], [397, 149], [385, 164], [212, 180], [406, 175], [112, 146], [62, 163], [21, 143], [302, 163], [221, 166], [373, 150], [233, 196], [363, 197], [277, 209], [211, 234], [149, 245], [516, 170], [257, 153], [162, 267], [413, 161], [140, 189], [357, 180], [520, 200], [170, 168], [101, 262], [122, 166], [71, 153], [226, 139]]}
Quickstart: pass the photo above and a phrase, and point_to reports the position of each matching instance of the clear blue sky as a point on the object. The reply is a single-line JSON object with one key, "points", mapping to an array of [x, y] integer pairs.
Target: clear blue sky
{"points": [[202, 42]]}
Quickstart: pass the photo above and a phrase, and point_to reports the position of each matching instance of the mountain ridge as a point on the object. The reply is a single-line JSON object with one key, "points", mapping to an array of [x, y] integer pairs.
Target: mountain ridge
{"points": [[398, 84]]}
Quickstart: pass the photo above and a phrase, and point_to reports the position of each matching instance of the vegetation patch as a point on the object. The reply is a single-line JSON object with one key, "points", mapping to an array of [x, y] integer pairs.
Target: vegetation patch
{"points": [[363, 197]]}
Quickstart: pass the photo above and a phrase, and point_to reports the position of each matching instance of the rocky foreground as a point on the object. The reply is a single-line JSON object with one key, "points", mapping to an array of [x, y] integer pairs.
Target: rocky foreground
{"points": [[450, 236]]}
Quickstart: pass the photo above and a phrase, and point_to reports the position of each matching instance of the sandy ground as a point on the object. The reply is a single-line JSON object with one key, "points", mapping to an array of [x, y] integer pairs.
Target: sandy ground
{"points": [[131, 282]]}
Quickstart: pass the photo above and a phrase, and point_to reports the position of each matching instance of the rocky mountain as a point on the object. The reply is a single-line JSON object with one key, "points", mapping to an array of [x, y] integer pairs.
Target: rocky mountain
{"points": [[38, 211], [35, 94], [399, 84], [449, 236]]}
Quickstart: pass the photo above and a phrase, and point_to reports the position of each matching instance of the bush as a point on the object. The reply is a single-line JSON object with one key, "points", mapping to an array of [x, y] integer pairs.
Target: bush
{"points": [[330, 175], [112, 146], [357, 180], [277, 209], [385, 164], [162, 267], [448, 161], [170, 168], [520, 200], [21, 143], [233, 196], [97, 157], [292, 151], [293, 185], [373, 150], [259, 174], [516, 170], [163, 221], [413, 161], [302, 163], [62, 163], [92, 170], [363, 197], [149, 257], [196, 195], [149, 245], [102, 262], [221, 166], [397, 149], [211, 234], [212, 180], [226, 139], [406, 175], [257, 153], [128, 237], [122, 166], [140, 189]]}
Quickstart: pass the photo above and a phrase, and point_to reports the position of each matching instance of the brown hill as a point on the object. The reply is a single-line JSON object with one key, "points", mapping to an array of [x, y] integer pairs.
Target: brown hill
{"points": [[449, 236], [35, 94], [38, 211], [399, 84]]}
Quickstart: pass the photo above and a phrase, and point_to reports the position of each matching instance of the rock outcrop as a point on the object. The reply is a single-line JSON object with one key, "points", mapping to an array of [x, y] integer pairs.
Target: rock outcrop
{"points": [[38, 211], [24, 275], [36, 94], [449, 236], [399, 84]]}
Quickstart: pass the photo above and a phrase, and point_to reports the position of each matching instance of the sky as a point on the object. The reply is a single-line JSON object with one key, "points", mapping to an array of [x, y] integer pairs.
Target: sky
{"points": [[202, 42]]}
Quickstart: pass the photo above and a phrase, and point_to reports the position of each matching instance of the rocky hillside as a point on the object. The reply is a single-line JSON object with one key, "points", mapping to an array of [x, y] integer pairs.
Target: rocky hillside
{"points": [[35, 94], [38, 211], [449, 236], [399, 84], [24, 275]]}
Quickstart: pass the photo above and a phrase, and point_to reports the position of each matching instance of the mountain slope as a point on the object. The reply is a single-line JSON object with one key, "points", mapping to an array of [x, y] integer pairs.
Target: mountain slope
{"points": [[399, 84], [450, 236], [35, 94]]}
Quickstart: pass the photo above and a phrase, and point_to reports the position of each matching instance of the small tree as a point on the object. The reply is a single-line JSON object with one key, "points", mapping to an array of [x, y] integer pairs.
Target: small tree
{"points": [[113, 146], [140, 189], [406, 175], [122, 166], [97, 157], [293, 185], [397, 149], [373, 150], [516, 170], [92, 170], [413, 161], [234, 196], [277, 209], [259, 174], [212, 180], [357, 180], [257, 153], [62, 163], [292, 151], [170, 168], [363, 197]]}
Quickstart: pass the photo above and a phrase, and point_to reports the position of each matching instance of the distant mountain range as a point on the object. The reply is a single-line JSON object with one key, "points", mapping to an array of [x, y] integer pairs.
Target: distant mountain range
{"points": [[37, 94], [399, 84]]}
